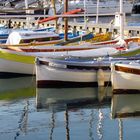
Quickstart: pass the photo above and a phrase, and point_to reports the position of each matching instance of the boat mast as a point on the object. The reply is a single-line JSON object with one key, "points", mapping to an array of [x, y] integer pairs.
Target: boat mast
{"points": [[27, 12], [54, 9], [52, 124], [97, 12], [23, 122], [65, 20], [120, 129], [121, 20], [67, 124], [85, 19]]}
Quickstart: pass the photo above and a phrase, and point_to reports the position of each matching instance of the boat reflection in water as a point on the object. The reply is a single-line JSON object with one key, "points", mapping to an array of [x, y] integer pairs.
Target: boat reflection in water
{"points": [[15, 94], [15, 88], [125, 105], [71, 97], [74, 100]]}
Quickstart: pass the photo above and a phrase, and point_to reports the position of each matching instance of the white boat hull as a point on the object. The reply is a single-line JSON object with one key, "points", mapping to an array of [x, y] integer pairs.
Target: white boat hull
{"points": [[47, 76], [9, 66], [23, 62], [122, 80]]}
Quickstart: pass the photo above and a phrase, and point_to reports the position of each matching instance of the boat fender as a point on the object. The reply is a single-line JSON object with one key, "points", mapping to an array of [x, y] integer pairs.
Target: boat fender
{"points": [[100, 77]]}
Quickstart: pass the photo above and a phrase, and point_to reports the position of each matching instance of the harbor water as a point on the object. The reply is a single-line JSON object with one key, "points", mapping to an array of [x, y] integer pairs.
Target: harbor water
{"points": [[30, 113]]}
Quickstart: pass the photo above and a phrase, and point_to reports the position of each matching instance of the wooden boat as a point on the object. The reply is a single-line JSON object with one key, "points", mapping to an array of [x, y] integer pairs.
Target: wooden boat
{"points": [[74, 71], [15, 60], [112, 47], [63, 46], [77, 51], [42, 38], [28, 36], [39, 37], [125, 77], [25, 35], [125, 105], [61, 74]]}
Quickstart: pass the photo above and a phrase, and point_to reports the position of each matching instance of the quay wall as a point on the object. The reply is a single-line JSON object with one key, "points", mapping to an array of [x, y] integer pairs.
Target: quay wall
{"points": [[90, 26]]}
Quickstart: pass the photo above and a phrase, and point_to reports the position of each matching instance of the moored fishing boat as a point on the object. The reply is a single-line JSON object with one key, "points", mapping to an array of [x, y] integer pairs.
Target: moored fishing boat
{"points": [[36, 38], [125, 77], [77, 42], [54, 73], [28, 36], [74, 71], [17, 36], [21, 59]]}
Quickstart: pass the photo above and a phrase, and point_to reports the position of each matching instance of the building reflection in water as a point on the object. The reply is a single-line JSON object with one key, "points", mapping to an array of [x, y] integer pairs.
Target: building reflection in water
{"points": [[67, 99], [125, 106]]}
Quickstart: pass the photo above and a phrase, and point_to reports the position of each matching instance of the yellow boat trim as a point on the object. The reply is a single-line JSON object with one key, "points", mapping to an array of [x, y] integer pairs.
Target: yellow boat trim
{"points": [[17, 57], [101, 37]]}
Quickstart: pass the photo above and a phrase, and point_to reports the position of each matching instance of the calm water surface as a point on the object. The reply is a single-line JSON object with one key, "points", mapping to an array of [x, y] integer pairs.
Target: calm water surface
{"points": [[27, 113]]}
